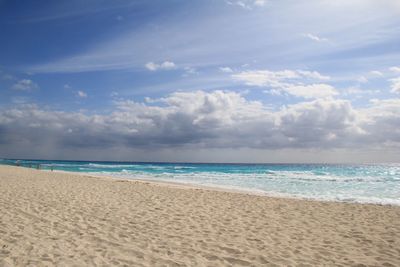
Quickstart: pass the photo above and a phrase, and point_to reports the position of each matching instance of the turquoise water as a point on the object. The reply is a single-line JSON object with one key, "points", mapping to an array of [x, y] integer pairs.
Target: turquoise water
{"points": [[351, 183]]}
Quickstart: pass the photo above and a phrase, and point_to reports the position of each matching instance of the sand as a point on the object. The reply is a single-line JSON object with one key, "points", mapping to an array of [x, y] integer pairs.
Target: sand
{"points": [[51, 218]]}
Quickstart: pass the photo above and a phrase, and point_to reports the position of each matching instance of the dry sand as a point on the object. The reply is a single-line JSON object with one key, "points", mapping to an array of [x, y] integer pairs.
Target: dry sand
{"points": [[50, 218]]}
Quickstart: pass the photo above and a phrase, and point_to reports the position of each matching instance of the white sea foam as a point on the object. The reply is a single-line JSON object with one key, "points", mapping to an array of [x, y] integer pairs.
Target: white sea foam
{"points": [[349, 189], [97, 165], [212, 182], [377, 184]]}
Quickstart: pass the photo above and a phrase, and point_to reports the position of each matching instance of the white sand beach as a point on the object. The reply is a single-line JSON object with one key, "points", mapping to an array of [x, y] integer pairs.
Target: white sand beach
{"points": [[63, 219]]}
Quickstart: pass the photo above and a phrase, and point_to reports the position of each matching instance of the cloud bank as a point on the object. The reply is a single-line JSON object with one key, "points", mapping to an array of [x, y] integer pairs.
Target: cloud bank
{"points": [[199, 119]]}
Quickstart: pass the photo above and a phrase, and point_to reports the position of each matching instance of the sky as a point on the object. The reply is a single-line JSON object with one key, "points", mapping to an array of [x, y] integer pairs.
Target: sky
{"points": [[201, 81]]}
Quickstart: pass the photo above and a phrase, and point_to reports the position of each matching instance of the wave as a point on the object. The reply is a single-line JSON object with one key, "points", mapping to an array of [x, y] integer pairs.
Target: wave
{"points": [[348, 195], [377, 184], [281, 175], [97, 165], [323, 176]]}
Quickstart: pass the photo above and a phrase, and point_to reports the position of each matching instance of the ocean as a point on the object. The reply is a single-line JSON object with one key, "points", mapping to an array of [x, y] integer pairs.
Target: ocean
{"points": [[369, 183]]}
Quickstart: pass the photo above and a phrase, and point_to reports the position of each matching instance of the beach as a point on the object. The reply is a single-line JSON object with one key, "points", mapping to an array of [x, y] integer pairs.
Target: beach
{"points": [[64, 219]]}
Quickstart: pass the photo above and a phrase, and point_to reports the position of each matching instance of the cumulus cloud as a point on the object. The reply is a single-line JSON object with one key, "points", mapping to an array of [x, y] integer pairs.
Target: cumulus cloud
{"points": [[166, 65], [25, 85], [315, 37], [288, 81], [321, 123], [218, 119]]}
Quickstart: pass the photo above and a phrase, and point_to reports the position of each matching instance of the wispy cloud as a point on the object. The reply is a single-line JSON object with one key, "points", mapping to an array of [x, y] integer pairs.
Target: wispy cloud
{"points": [[395, 69], [299, 83], [395, 87], [89, 9], [376, 73], [395, 82], [275, 78], [225, 69], [315, 37], [81, 94], [311, 91], [362, 79], [190, 71], [247, 4], [132, 48], [25, 85], [6, 76]]}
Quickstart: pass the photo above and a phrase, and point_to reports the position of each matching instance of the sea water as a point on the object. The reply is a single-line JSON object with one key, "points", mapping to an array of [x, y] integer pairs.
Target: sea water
{"points": [[372, 183]]}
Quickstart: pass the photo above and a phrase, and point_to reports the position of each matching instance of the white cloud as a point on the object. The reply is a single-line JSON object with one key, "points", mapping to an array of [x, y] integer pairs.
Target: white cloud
{"points": [[376, 73], [25, 85], [248, 4], [311, 91], [395, 87], [265, 77], [275, 78], [225, 69], [81, 94], [190, 70], [362, 79], [166, 65], [359, 92], [260, 2], [384, 108], [114, 94], [152, 66], [218, 119], [395, 69], [313, 75], [315, 37], [288, 81]]}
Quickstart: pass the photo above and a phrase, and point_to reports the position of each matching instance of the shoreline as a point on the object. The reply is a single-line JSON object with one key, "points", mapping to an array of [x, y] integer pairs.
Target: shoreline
{"points": [[188, 185], [62, 218]]}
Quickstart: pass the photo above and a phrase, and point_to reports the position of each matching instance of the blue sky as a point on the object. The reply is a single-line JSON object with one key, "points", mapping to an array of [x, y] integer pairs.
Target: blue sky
{"points": [[250, 63]]}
